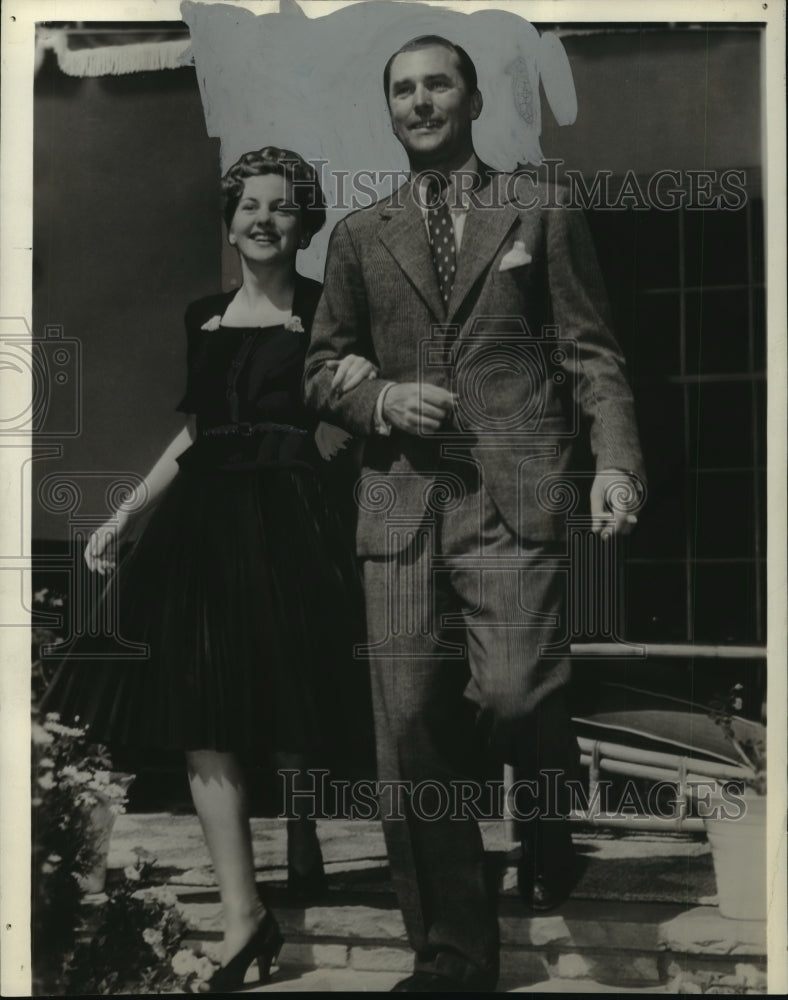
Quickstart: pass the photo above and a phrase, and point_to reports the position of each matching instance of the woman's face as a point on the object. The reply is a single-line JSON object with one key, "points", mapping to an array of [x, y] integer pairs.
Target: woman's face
{"points": [[267, 227]]}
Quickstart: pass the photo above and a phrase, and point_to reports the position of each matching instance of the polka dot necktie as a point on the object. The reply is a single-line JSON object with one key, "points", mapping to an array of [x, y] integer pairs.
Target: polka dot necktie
{"points": [[441, 233]]}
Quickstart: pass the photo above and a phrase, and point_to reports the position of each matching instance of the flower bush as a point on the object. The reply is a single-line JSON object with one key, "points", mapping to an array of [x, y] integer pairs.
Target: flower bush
{"points": [[63, 759], [69, 778], [133, 942], [137, 943]]}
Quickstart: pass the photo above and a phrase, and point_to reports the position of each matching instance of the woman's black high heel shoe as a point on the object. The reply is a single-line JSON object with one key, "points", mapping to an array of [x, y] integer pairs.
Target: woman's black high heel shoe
{"points": [[262, 947]]}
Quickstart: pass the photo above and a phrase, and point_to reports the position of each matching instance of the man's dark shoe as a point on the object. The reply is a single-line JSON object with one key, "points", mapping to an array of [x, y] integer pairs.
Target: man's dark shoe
{"points": [[544, 890], [541, 894], [428, 982]]}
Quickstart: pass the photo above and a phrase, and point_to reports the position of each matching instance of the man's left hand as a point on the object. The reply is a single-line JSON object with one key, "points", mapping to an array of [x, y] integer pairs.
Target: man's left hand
{"points": [[615, 498]]}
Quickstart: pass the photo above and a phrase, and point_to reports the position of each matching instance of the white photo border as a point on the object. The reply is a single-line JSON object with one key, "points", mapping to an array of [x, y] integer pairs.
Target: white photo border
{"points": [[16, 199]]}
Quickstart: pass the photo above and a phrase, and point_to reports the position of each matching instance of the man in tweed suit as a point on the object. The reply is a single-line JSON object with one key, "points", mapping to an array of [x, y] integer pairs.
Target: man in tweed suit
{"points": [[478, 296]]}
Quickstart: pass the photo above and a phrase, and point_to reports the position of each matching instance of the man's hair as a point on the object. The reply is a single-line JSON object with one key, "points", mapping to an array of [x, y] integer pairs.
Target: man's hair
{"points": [[465, 63]]}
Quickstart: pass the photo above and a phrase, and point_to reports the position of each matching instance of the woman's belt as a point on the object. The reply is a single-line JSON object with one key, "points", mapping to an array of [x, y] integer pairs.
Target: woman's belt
{"points": [[248, 429]]}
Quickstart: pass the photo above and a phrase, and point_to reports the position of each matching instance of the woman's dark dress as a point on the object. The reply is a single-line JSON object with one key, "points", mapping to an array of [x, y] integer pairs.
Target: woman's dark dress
{"points": [[243, 582]]}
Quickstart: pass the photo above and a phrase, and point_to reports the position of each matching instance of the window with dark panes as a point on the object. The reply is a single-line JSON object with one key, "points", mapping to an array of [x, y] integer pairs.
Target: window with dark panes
{"points": [[687, 294]]}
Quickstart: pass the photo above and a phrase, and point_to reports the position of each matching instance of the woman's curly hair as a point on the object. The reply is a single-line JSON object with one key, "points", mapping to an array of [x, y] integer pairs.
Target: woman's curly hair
{"points": [[307, 192]]}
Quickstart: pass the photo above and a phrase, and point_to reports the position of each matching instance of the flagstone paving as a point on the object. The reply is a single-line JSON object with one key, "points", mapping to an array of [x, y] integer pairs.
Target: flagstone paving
{"points": [[642, 916], [661, 868]]}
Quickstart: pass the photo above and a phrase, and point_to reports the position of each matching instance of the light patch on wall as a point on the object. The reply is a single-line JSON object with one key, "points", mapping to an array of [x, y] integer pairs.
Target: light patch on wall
{"points": [[315, 85]]}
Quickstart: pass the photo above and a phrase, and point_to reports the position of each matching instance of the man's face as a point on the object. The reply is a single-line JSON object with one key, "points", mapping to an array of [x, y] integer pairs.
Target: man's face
{"points": [[431, 109]]}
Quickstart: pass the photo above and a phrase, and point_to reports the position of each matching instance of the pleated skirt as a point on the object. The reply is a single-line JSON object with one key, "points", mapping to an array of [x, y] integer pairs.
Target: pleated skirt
{"points": [[242, 594]]}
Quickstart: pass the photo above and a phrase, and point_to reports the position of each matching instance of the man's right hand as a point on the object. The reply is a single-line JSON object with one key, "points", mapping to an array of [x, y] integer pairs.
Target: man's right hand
{"points": [[418, 407]]}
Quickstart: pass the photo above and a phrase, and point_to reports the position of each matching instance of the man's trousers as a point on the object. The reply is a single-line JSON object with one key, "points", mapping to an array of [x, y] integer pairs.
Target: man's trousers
{"points": [[467, 644]]}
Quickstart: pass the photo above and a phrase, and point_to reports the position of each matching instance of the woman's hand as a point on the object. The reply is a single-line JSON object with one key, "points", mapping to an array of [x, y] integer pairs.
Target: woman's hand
{"points": [[330, 440], [100, 552], [350, 372]]}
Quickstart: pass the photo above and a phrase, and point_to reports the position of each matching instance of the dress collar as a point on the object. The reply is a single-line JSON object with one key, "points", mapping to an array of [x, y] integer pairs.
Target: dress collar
{"points": [[306, 294]]}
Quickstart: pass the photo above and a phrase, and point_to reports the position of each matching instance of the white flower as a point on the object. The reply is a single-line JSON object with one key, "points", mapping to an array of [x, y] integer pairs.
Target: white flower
{"points": [[53, 726], [204, 969], [108, 791], [155, 939], [152, 936], [40, 736], [46, 781], [184, 962], [131, 873], [212, 324], [294, 324], [87, 798], [75, 776], [158, 893]]}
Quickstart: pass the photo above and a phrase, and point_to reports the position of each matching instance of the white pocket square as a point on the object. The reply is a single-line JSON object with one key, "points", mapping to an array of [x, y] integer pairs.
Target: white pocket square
{"points": [[516, 257]]}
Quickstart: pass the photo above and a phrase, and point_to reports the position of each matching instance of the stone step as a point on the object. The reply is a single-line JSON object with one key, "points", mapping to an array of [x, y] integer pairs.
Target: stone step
{"points": [[642, 917], [618, 944]]}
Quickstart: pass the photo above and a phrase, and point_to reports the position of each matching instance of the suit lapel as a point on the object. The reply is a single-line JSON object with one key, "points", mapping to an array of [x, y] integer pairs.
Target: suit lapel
{"points": [[486, 226], [405, 236]]}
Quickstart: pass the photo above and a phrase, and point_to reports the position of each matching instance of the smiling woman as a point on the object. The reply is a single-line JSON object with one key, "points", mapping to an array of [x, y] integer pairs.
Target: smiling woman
{"points": [[272, 206], [241, 591]]}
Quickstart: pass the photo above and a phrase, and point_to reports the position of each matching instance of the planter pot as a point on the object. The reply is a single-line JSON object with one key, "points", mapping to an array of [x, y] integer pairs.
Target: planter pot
{"points": [[102, 821], [738, 850]]}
